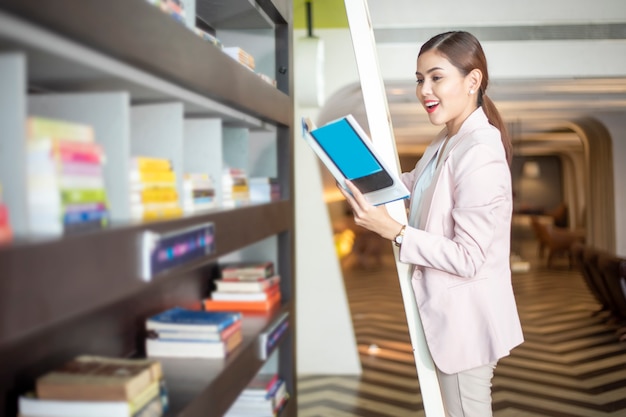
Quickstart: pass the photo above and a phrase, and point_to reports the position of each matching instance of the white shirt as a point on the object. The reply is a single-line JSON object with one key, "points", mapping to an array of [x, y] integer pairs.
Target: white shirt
{"points": [[422, 183]]}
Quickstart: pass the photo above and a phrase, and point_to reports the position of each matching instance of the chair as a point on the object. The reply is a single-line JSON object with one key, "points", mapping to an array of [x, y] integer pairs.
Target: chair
{"points": [[556, 239], [590, 261], [577, 251]]}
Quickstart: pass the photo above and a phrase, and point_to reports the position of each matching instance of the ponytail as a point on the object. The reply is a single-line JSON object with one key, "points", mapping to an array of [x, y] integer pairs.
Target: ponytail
{"points": [[496, 120]]}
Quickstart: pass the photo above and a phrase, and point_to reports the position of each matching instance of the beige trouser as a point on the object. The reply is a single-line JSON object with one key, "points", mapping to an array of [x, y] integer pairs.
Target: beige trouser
{"points": [[467, 393]]}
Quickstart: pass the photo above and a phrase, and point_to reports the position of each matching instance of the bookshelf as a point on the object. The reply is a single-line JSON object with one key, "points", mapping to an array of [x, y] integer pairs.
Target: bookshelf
{"points": [[148, 85]]}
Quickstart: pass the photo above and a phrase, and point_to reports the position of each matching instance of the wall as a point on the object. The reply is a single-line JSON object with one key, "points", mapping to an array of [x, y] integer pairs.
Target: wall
{"points": [[543, 193], [325, 343], [616, 124]]}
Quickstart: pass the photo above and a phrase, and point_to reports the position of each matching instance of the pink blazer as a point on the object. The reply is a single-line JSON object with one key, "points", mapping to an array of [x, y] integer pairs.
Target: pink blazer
{"points": [[460, 250]]}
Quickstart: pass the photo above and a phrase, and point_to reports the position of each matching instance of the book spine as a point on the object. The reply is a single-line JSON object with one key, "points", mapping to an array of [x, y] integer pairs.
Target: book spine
{"points": [[81, 168], [82, 196], [86, 216], [146, 164], [155, 195], [40, 127], [147, 177]]}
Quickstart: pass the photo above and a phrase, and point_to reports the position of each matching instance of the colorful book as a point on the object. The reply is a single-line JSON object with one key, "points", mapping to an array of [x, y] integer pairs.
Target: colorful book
{"points": [[185, 335], [155, 195], [41, 127], [243, 306], [150, 177], [247, 270], [146, 164], [245, 296], [193, 348], [149, 403], [97, 378], [83, 196], [247, 286], [182, 319]]}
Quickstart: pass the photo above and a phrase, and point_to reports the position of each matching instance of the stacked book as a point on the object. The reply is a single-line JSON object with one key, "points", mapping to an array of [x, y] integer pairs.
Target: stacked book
{"points": [[265, 396], [241, 56], [65, 180], [153, 189], [198, 192], [6, 233], [245, 287], [235, 188], [96, 386], [264, 189], [180, 332]]}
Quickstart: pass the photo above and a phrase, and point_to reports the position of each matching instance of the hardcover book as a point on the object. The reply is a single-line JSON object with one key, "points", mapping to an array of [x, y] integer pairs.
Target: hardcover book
{"points": [[179, 318], [243, 306], [346, 151], [246, 296], [193, 348], [96, 378], [246, 286], [247, 270], [195, 335], [148, 403]]}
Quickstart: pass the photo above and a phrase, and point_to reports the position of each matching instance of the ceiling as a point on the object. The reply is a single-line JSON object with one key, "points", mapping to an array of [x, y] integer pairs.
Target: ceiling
{"points": [[537, 110]]}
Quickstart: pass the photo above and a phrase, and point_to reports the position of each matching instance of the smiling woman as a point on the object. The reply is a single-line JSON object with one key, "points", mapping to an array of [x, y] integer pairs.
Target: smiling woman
{"points": [[457, 239]]}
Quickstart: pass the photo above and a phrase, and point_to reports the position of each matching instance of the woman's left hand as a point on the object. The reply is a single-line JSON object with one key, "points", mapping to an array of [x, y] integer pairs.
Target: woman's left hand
{"points": [[374, 218]]}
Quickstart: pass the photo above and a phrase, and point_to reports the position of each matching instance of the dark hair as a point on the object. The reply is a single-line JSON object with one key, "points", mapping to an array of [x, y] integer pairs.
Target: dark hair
{"points": [[463, 51]]}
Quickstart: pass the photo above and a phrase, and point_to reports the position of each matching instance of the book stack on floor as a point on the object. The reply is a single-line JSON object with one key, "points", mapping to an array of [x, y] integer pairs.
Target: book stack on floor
{"points": [[65, 181], [265, 396], [153, 189], [264, 189], [235, 188], [96, 386], [180, 332], [247, 287], [6, 233], [198, 192]]}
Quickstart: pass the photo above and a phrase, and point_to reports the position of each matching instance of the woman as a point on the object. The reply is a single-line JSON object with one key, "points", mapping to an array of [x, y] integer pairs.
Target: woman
{"points": [[458, 234]]}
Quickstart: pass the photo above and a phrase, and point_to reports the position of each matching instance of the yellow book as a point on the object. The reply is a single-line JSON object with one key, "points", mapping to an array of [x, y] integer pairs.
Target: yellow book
{"points": [[162, 213], [153, 176], [155, 195], [144, 163]]}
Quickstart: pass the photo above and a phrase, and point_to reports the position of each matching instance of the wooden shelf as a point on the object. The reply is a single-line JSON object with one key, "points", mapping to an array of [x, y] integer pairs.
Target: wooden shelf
{"points": [[196, 385], [107, 264], [150, 43]]}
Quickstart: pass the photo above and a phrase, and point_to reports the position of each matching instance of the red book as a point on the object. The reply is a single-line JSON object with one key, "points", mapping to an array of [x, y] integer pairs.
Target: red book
{"points": [[69, 151], [6, 234], [243, 306]]}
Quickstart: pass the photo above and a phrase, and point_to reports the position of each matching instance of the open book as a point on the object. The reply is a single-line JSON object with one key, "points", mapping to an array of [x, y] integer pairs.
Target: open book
{"points": [[346, 151]]}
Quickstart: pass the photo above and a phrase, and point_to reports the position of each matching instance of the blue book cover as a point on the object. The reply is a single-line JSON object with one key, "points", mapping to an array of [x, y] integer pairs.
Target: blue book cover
{"points": [[346, 151], [179, 318]]}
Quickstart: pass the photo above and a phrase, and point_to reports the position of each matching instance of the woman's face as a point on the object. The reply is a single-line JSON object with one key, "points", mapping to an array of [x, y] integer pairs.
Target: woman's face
{"points": [[447, 95]]}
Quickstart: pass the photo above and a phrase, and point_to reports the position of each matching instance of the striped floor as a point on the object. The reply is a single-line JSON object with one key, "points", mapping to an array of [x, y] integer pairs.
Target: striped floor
{"points": [[571, 363]]}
